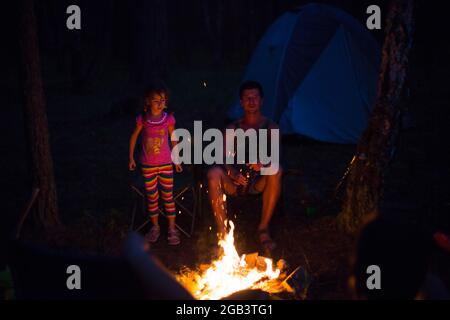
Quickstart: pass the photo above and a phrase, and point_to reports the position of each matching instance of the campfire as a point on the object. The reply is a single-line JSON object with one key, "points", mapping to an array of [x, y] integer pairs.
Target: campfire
{"points": [[231, 273]]}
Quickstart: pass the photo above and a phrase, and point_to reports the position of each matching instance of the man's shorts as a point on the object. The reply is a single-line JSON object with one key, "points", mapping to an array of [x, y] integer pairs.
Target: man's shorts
{"points": [[251, 190]]}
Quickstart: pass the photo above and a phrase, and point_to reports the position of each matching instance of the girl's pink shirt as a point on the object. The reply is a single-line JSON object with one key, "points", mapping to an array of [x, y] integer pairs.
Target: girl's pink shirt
{"points": [[155, 148]]}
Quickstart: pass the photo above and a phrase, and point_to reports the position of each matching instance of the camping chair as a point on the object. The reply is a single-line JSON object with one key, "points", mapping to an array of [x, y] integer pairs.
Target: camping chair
{"points": [[186, 195]]}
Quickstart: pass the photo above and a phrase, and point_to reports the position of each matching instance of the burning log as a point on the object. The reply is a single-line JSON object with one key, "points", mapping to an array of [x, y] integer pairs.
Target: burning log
{"points": [[250, 259], [261, 264], [232, 273]]}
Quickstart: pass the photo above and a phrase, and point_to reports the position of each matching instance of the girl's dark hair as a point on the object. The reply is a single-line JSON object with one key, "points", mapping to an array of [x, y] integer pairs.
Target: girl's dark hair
{"points": [[155, 87]]}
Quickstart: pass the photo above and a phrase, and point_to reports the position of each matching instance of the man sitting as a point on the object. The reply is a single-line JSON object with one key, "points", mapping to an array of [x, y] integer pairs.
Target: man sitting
{"points": [[247, 178]]}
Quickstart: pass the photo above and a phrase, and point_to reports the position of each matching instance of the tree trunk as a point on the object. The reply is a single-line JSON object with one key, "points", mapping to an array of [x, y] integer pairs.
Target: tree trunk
{"points": [[374, 151], [46, 213]]}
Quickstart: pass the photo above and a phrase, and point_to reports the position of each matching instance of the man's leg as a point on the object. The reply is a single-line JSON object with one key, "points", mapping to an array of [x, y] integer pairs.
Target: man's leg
{"points": [[270, 186], [219, 183]]}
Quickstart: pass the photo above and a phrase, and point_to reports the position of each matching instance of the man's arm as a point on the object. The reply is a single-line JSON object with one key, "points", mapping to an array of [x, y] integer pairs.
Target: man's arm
{"points": [[257, 166], [273, 165], [231, 171]]}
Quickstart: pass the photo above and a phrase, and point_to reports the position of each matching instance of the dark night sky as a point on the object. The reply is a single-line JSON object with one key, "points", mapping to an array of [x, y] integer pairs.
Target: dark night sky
{"points": [[187, 36], [188, 41], [185, 25]]}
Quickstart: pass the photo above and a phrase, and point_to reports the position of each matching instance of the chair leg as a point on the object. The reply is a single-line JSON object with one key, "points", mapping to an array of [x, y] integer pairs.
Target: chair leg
{"points": [[133, 213], [136, 195], [142, 225], [196, 205]]}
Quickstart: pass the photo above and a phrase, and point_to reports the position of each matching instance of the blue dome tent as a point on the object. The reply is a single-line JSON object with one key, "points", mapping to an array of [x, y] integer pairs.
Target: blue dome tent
{"points": [[319, 68]]}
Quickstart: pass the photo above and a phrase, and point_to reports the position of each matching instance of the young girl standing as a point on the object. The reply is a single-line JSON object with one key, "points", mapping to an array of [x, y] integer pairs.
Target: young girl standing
{"points": [[156, 127]]}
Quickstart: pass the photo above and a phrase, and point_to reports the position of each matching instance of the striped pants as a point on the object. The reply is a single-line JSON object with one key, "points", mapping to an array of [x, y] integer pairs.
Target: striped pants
{"points": [[162, 176]]}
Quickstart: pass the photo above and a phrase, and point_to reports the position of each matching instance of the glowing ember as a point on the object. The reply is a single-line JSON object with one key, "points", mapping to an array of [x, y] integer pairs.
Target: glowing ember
{"points": [[232, 273]]}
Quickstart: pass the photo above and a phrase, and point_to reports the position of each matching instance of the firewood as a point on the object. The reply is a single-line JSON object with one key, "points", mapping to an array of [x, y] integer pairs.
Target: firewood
{"points": [[250, 259], [261, 264]]}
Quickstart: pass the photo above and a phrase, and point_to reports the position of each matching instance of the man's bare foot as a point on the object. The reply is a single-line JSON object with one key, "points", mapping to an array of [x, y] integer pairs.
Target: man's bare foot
{"points": [[266, 241]]}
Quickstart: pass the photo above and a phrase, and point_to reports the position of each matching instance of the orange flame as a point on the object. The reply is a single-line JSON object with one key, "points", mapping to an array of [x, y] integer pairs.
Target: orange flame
{"points": [[230, 273]]}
